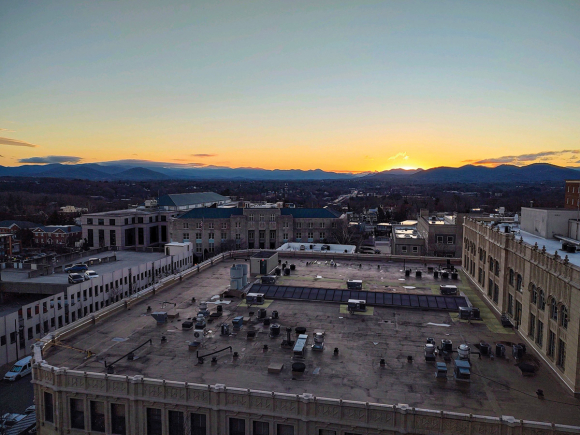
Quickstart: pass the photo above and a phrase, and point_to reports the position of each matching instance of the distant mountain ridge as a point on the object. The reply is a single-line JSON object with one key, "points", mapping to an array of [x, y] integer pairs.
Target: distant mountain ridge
{"points": [[536, 172], [140, 170]]}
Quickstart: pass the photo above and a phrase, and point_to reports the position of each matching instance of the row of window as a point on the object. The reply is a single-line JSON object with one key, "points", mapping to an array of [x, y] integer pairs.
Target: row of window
{"points": [[133, 220], [224, 226], [538, 298], [96, 417], [536, 332]]}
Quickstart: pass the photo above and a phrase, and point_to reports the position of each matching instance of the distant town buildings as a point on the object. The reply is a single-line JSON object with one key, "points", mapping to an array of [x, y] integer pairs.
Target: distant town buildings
{"points": [[572, 192], [441, 232]]}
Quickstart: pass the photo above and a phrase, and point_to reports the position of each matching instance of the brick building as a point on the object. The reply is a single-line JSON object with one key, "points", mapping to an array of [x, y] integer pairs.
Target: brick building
{"points": [[217, 229]]}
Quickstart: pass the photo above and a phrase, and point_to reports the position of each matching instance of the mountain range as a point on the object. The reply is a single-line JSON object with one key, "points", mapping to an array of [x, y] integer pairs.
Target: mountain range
{"points": [[141, 170]]}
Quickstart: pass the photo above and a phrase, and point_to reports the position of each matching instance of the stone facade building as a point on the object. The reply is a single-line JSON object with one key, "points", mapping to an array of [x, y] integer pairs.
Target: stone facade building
{"points": [[538, 290], [442, 233], [213, 230]]}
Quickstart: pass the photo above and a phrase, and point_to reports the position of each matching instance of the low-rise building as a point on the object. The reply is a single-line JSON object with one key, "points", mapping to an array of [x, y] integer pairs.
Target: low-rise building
{"points": [[213, 230], [63, 235], [441, 232], [188, 201], [406, 240], [136, 228]]}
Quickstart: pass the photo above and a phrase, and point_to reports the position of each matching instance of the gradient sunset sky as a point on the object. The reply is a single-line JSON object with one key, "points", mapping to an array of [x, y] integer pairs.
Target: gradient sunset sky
{"points": [[340, 86]]}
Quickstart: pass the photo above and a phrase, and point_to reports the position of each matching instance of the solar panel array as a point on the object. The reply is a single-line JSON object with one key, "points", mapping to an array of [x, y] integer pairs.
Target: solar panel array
{"points": [[434, 302]]}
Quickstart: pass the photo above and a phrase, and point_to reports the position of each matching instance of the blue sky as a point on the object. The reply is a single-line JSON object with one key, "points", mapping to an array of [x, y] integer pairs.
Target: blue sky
{"points": [[335, 85]]}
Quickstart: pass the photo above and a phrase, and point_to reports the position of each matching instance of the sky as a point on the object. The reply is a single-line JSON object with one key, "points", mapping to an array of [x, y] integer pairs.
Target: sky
{"points": [[340, 86]]}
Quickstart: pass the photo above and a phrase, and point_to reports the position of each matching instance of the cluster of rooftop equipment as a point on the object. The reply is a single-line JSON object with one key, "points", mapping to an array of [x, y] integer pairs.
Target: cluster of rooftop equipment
{"points": [[461, 357], [443, 272]]}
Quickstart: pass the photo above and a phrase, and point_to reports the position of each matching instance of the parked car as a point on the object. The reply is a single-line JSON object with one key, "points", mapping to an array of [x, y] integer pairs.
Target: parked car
{"points": [[91, 274], [20, 369], [77, 268], [75, 278]]}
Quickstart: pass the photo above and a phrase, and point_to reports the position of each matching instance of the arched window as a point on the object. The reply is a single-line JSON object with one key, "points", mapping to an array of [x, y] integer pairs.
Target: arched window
{"points": [[519, 281], [564, 317], [553, 309], [490, 264], [534, 294], [511, 277], [496, 268], [542, 300]]}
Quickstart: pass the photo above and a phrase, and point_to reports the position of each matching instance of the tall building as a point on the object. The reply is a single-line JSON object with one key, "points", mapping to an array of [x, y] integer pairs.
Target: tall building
{"points": [[530, 272], [442, 233]]}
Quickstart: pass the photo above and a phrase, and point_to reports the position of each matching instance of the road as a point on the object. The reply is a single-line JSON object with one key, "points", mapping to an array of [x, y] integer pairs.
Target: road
{"points": [[15, 396]]}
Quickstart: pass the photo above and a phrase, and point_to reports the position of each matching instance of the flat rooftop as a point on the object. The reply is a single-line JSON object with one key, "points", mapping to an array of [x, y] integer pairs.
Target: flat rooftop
{"points": [[124, 259], [362, 339]]}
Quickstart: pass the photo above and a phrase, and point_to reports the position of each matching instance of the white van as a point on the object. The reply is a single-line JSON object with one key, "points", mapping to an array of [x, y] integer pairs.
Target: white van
{"points": [[20, 369]]}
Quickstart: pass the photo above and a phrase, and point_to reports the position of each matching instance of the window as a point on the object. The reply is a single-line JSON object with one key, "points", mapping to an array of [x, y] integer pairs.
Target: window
{"points": [[284, 429], [77, 413], [450, 240], [154, 421], [404, 249], [326, 432], [251, 235], [262, 218], [298, 236], [97, 416], [111, 221], [490, 264], [551, 351], [238, 225], [198, 424], [285, 236], [564, 317], [198, 236], [532, 328], [199, 225], [251, 217], [48, 408], [262, 234], [554, 310], [322, 225], [415, 249], [310, 235], [322, 235], [224, 236], [186, 237], [511, 277], [260, 428], [185, 225], [534, 295], [542, 301], [439, 239], [561, 353], [272, 218], [519, 284], [118, 425], [298, 224], [113, 238], [540, 333], [496, 293], [310, 225], [334, 225], [211, 225], [224, 226], [211, 236], [198, 247], [238, 236], [490, 288], [237, 426], [272, 235], [176, 423], [510, 307], [496, 268], [89, 221]]}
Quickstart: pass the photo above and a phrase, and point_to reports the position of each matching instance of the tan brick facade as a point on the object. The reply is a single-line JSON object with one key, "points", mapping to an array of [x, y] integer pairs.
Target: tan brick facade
{"points": [[540, 292]]}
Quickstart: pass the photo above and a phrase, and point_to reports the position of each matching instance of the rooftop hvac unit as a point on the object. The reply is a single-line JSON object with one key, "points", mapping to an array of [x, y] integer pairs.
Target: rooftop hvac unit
{"points": [[357, 305], [318, 341], [354, 284], [255, 298], [448, 289], [187, 325], [270, 279], [160, 317], [464, 351], [429, 352], [200, 322], [238, 322]]}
